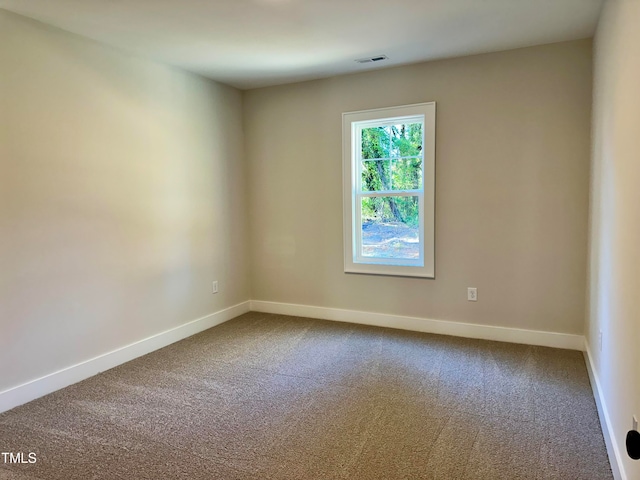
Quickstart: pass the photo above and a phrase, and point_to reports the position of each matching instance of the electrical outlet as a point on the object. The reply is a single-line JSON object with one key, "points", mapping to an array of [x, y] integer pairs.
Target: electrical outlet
{"points": [[215, 287], [600, 340], [472, 294], [634, 424]]}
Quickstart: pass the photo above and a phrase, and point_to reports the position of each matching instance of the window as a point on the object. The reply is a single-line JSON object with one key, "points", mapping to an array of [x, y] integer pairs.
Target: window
{"points": [[389, 190]]}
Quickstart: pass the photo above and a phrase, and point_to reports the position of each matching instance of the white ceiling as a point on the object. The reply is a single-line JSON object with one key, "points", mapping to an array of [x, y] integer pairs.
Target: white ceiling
{"points": [[253, 43]]}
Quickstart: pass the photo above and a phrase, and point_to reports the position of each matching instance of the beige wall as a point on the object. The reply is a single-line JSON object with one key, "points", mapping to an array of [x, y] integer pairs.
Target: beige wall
{"points": [[511, 188], [122, 198], [614, 280]]}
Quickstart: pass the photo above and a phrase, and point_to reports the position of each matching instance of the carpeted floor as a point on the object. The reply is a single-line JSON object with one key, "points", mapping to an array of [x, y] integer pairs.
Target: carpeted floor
{"points": [[275, 397]]}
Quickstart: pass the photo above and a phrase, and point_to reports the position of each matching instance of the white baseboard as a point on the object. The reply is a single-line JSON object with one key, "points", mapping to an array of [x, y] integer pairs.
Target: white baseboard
{"points": [[458, 329], [26, 392], [31, 390], [613, 449]]}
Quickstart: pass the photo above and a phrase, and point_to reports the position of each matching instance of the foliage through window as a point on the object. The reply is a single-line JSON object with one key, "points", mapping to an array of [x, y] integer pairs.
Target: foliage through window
{"points": [[389, 190]]}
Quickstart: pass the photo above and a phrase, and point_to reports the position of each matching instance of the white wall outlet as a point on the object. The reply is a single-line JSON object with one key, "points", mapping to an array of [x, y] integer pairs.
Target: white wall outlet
{"points": [[600, 340], [472, 294], [215, 287], [634, 423]]}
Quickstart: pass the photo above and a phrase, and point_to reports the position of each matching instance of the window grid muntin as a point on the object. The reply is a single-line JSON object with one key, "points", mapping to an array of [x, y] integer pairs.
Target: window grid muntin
{"points": [[386, 122]]}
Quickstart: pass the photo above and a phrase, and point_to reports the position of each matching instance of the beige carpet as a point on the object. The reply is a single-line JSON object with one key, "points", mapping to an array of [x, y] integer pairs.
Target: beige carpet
{"points": [[274, 397]]}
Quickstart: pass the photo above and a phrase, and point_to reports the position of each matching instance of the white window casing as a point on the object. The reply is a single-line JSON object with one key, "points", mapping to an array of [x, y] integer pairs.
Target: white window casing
{"points": [[353, 123]]}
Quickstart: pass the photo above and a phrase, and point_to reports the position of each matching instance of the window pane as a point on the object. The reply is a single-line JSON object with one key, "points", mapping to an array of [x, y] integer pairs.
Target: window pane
{"points": [[375, 142], [376, 175], [406, 174], [390, 227], [406, 140]]}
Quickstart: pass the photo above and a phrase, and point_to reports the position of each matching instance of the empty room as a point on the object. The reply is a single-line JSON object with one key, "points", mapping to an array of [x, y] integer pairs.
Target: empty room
{"points": [[311, 239]]}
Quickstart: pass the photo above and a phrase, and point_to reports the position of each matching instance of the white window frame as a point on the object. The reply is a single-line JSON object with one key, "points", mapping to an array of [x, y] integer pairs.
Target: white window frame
{"points": [[352, 125]]}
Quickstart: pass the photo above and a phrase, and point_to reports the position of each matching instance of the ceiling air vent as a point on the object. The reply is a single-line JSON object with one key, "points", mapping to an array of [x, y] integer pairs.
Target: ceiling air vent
{"points": [[377, 58]]}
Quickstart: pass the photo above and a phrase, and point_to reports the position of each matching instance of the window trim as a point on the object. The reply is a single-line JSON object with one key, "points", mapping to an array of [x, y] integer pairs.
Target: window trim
{"points": [[351, 198]]}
